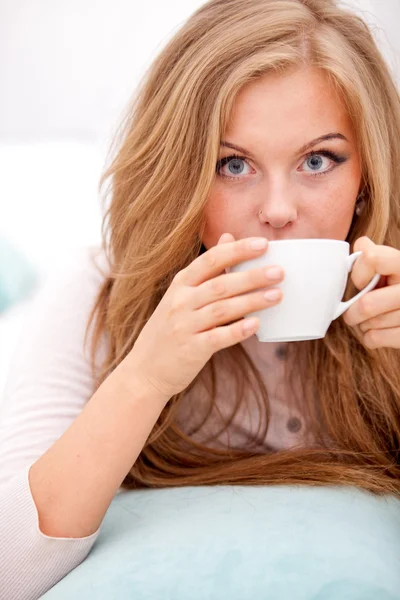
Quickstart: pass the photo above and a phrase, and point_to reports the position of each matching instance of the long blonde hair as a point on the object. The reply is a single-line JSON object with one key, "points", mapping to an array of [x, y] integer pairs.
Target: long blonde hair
{"points": [[159, 181]]}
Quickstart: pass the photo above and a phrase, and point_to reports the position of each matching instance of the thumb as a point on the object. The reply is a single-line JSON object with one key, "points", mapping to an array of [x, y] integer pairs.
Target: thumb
{"points": [[226, 237]]}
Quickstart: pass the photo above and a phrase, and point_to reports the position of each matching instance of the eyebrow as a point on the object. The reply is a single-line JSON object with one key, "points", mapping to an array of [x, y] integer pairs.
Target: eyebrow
{"points": [[322, 138]]}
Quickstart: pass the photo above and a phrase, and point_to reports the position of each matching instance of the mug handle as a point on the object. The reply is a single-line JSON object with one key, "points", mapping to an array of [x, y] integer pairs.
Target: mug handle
{"points": [[343, 306]]}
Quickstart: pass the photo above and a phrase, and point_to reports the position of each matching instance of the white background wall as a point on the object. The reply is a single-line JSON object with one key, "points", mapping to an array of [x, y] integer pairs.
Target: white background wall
{"points": [[67, 67]]}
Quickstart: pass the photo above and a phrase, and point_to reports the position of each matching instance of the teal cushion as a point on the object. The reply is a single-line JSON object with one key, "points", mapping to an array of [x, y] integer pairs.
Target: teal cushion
{"points": [[17, 275], [242, 543]]}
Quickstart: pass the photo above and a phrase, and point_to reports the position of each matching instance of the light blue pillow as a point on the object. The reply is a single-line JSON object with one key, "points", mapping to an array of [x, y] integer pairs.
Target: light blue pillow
{"points": [[17, 275], [242, 543]]}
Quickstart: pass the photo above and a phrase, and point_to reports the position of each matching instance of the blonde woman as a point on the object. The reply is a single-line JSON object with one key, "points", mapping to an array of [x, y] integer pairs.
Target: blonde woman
{"points": [[260, 120]]}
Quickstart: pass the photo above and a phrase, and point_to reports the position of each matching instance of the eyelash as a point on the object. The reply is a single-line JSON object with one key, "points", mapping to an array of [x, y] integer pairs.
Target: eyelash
{"points": [[337, 158]]}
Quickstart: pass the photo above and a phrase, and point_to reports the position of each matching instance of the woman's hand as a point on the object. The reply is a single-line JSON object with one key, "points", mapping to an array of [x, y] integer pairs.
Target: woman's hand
{"points": [[202, 312], [378, 312]]}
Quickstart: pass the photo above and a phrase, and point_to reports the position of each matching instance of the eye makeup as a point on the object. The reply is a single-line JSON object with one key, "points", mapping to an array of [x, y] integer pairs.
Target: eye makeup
{"points": [[335, 157]]}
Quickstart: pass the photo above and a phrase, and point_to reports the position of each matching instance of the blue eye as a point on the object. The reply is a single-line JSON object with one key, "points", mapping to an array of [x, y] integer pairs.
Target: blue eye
{"points": [[235, 164], [315, 162]]}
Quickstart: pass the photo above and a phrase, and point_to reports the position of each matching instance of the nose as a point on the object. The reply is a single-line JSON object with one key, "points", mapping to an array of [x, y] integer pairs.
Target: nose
{"points": [[278, 207]]}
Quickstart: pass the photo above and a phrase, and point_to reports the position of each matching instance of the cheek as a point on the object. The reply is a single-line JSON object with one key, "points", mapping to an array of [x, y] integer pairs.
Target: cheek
{"points": [[333, 211], [331, 207], [223, 214]]}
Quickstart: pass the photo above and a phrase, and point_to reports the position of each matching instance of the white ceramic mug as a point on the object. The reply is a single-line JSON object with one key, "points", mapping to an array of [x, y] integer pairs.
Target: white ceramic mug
{"points": [[316, 273]]}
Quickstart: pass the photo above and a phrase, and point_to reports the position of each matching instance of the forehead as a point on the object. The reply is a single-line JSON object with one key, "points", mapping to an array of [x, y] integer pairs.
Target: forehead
{"points": [[296, 106]]}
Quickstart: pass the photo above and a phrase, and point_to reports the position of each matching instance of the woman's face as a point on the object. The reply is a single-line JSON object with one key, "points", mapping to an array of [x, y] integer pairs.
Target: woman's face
{"points": [[304, 186]]}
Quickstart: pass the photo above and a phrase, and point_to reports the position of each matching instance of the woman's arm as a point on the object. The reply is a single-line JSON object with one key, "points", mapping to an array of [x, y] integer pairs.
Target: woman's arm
{"points": [[79, 443], [74, 482]]}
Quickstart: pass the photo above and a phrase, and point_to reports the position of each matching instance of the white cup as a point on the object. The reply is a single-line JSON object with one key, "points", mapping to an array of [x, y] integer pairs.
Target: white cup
{"points": [[316, 272]]}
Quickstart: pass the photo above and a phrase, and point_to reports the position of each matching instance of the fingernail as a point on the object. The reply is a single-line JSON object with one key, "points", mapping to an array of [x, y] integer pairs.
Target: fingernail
{"points": [[274, 273], [272, 294], [249, 324]]}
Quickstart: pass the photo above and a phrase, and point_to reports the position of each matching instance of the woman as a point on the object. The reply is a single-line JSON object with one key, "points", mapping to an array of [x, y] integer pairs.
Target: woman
{"points": [[269, 119]]}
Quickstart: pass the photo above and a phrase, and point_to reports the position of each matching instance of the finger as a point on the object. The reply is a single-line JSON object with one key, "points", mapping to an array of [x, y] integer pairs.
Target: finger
{"points": [[228, 335], [382, 338], [364, 267], [216, 259], [385, 321], [225, 237], [384, 260], [235, 284], [231, 309], [376, 302]]}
